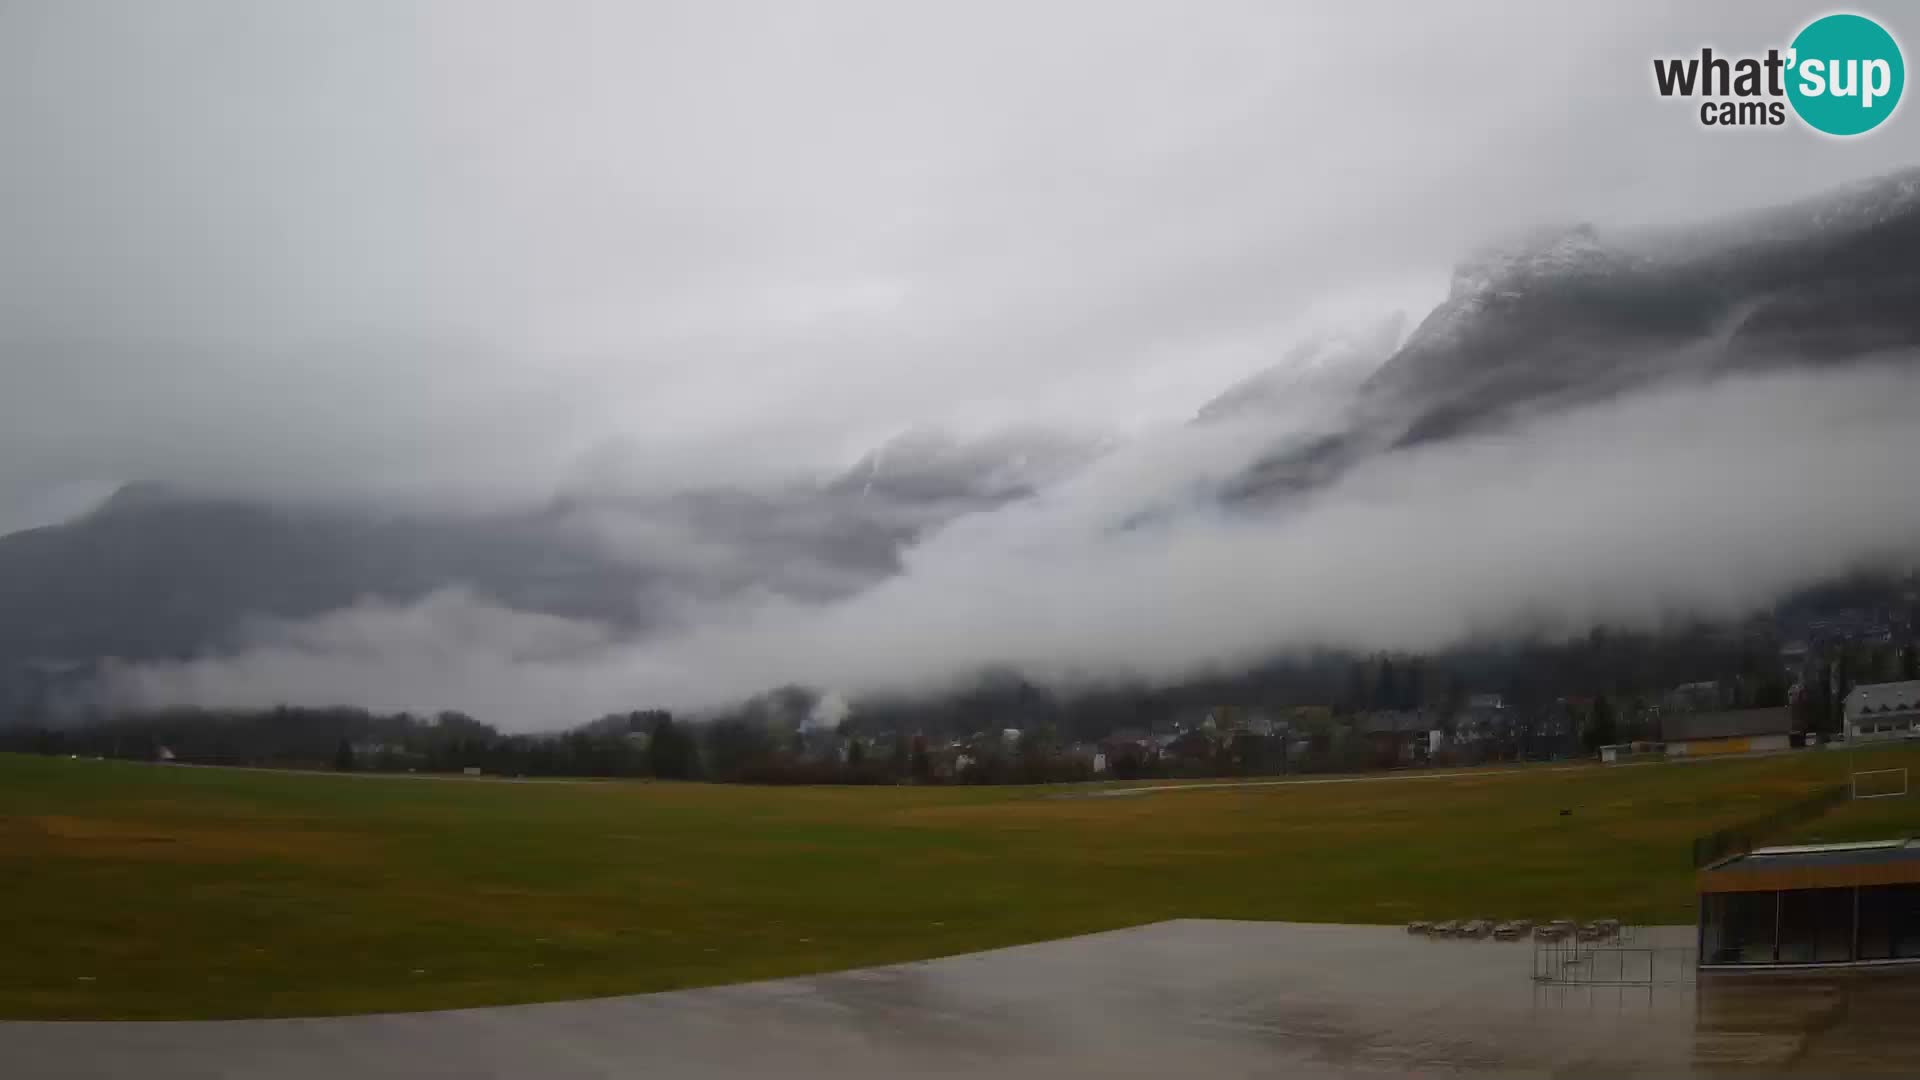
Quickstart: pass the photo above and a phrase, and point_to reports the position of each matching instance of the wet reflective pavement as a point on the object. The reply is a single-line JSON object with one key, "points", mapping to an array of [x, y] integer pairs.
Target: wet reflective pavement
{"points": [[1187, 997]]}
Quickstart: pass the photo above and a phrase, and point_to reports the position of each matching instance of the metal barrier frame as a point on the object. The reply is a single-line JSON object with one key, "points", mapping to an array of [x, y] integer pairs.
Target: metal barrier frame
{"points": [[1613, 962]]}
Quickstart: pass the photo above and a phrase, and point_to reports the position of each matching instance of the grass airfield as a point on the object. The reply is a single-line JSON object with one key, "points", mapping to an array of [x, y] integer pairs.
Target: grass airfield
{"points": [[137, 891]]}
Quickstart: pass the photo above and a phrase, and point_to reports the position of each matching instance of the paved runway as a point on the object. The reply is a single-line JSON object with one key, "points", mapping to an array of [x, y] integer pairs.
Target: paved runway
{"points": [[1193, 997]]}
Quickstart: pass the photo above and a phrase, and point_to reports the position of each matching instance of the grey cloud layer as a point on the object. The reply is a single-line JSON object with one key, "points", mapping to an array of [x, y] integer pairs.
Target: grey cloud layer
{"points": [[463, 252], [1698, 500]]}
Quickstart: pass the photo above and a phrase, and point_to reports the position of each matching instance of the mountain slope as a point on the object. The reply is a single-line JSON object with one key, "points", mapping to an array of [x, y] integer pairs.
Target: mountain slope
{"points": [[1560, 317], [161, 574], [1323, 370], [1566, 316]]}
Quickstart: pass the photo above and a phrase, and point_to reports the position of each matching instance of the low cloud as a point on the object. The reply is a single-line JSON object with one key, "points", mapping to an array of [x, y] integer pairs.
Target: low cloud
{"points": [[1699, 500], [457, 254]]}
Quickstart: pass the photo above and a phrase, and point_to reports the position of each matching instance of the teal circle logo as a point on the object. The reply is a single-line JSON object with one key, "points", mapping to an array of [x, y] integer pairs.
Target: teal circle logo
{"points": [[1846, 75]]}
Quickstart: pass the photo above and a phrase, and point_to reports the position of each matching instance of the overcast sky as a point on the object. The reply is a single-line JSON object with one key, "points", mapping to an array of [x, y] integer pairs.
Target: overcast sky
{"points": [[459, 248]]}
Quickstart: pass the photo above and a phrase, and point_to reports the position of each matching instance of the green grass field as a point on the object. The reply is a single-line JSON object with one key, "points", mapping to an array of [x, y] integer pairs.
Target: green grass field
{"points": [[1871, 818], [145, 891]]}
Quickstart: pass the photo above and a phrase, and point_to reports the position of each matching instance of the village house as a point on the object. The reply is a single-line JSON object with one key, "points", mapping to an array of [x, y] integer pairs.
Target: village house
{"points": [[1877, 712], [1399, 737]]}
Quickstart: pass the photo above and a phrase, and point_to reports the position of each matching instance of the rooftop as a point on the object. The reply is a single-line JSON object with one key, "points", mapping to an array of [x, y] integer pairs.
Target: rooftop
{"points": [[1727, 725], [1816, 866], [1818, 849], [1883, 697], [1833, 854]]}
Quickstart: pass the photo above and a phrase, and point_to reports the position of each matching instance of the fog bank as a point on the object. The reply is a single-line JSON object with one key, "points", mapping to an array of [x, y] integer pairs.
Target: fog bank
{"points": [[1702, 500]]}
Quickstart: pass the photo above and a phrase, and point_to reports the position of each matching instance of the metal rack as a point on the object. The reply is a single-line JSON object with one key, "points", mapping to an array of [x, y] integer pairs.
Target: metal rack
{"points": [[1614, 960]]}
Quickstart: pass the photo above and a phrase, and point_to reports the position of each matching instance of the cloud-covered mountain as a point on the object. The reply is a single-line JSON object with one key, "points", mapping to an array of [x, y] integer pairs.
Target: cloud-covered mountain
{"points": [[1573, 313], [1564, 372], [928, 466], [1318, 374], [1567, 316], [157, 574]]}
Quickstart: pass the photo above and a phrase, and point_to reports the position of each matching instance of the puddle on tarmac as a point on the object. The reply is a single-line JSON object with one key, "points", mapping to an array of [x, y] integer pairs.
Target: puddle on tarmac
{"points": [[1197, 998], [1347, 999]]}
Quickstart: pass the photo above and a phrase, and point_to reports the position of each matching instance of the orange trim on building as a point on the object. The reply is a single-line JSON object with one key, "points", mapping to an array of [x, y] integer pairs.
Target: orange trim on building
{"points": [[1736, 878]]}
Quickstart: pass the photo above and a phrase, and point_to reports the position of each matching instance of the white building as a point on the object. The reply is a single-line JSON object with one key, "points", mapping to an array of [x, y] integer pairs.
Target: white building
{"points": [[1877, 711]]}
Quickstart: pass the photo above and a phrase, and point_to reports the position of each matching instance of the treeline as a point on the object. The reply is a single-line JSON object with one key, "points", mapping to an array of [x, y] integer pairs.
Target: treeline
{"points": [[1533, 679], [770, 741], [348, 739], [753, 748]]}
